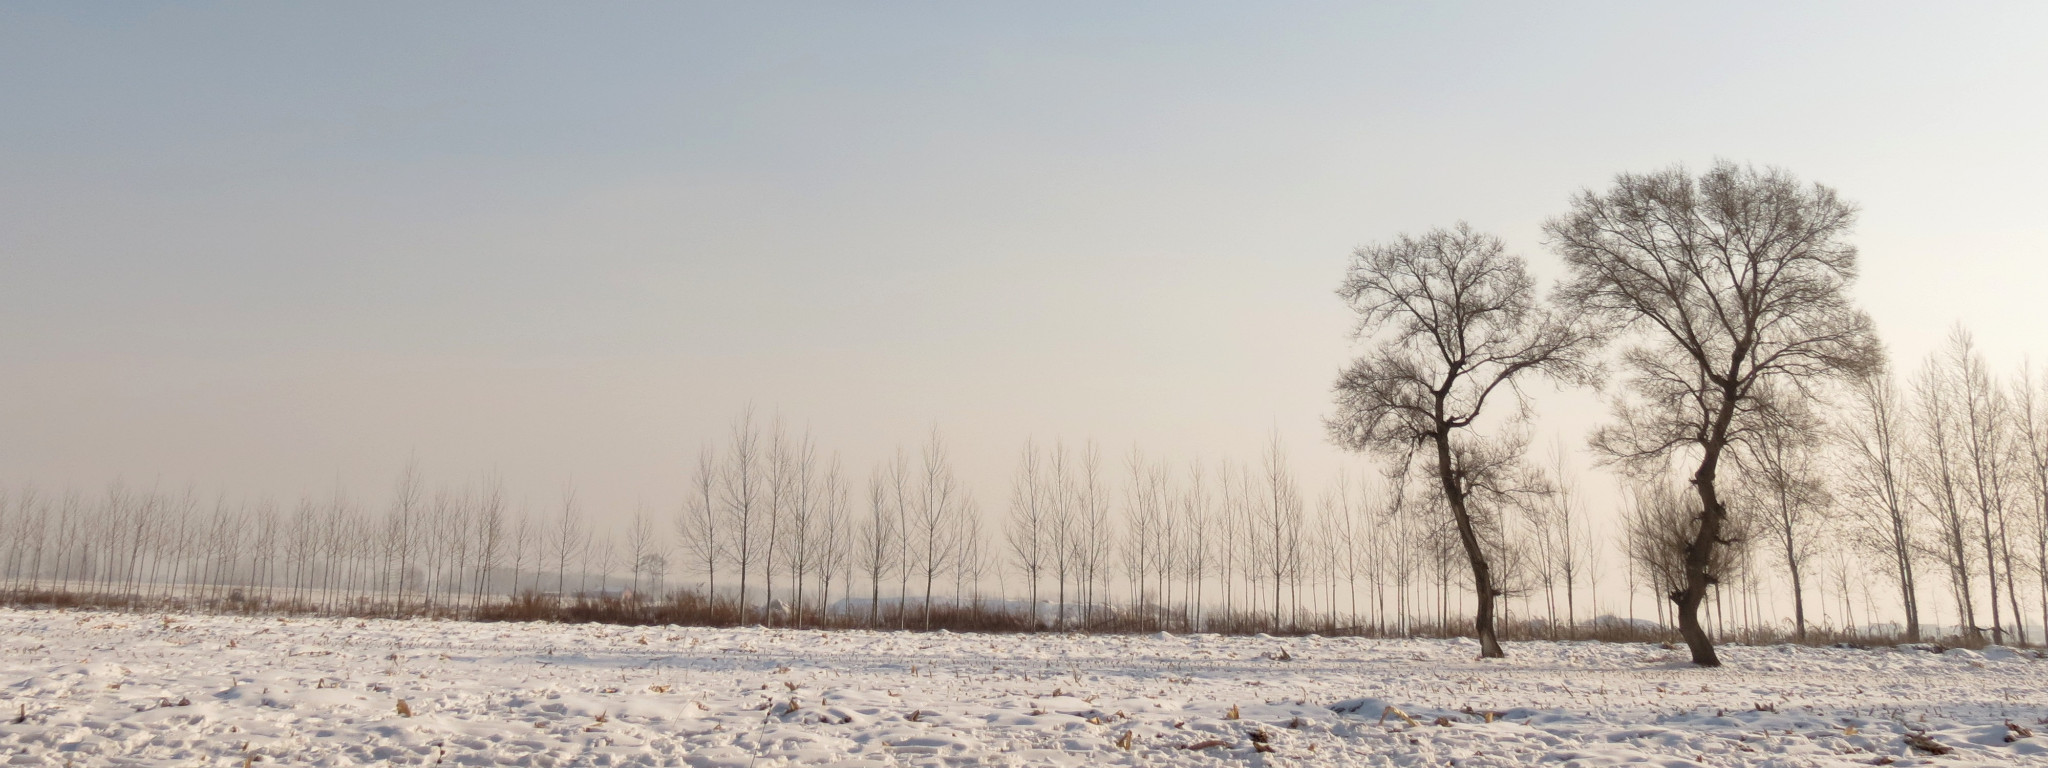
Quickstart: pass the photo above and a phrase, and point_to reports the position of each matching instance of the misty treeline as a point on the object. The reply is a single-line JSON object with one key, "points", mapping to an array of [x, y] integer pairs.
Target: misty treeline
{"points": [[1770, 456], [1081, 541], [1938, 483], [774, 531]]}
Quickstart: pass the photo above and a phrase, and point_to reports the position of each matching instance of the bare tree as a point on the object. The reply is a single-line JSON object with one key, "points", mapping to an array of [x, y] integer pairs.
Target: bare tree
{"points": [[876, 537], [1737, 278], [829, 545], [1842, 568], [800, 517], [570, 538], [490, 536], [970, 558], [1028, 533], [1279, 513], [599, 553], [401, 529], [1556, 534], [1095, 537], [1939, 482], [339, 524], [523, 534], [1062, 526], [640, 545], [655, 565], [1451, 320], [1197, 552], [263, 561], [698, 527], [1340, 537], [741, 495], [2033, 419], [906, 547], [782, 473], [933, 522], [1571, 541], [1875, 480], [1231, 524], [1987, 442], [1791, 502], [1142, 510]]}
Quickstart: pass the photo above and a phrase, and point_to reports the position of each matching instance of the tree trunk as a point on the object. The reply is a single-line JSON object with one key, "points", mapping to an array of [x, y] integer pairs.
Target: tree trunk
{"points": [[1698, 556], [874, 597], [928, 576], [1482, 574], [1991, 574], [1908, 599], [2012, 592], [1799, 601], [743, 594]]}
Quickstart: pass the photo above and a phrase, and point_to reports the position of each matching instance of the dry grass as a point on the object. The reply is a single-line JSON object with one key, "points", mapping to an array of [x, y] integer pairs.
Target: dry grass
{"points": [[686, 608]]}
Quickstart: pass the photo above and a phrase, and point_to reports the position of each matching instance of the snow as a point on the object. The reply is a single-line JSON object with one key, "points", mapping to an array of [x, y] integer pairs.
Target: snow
{"points": [[122, 689]]}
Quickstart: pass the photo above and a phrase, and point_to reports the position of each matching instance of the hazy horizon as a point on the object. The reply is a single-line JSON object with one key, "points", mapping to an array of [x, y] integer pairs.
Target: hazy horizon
{"points": [[271, 250]]}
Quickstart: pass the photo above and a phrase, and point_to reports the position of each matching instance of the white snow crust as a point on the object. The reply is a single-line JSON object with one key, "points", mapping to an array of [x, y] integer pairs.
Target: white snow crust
{"points": [[92, 688]]}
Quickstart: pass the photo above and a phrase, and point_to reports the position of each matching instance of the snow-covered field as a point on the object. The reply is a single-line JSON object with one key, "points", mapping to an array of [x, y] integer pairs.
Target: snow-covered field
{"points": [[88, 688]]}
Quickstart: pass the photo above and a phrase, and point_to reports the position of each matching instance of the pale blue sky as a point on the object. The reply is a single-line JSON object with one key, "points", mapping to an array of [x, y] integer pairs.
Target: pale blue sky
{"points": [[263, 247]]}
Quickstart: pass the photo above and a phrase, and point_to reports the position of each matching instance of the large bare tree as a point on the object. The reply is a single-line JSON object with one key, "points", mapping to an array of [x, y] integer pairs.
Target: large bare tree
{"points": [[1735, 279], [1451, 321]]}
